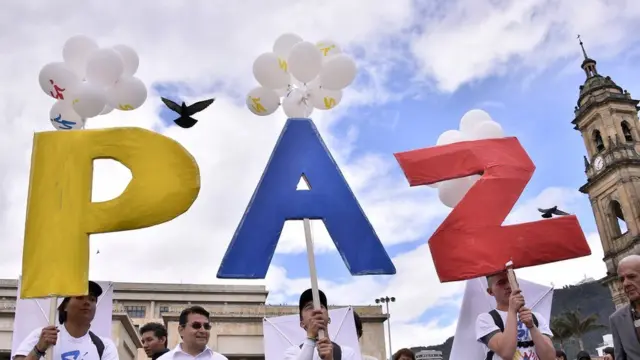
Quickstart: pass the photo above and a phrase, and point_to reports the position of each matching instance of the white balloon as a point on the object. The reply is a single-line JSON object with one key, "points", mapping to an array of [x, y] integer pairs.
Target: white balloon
{"points": [[130, 59], [282, 92], [472, 118], [107, 109], [87, 99], [338, 72], [129, 93], [263, 101], [450, 137], [76, 52], [283, 45], [487, 130], [56, 78], [104, 67], [63, 117], [271, 71], [446, 138], [305, 61], [328, 48], [296, 83], [324, 99], [452, 191], [296, 105], [313, 84]]}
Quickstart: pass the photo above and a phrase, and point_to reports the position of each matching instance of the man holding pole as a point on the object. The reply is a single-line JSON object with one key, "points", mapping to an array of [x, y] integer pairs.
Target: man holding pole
{"points": [[315, 323], [73, 340], [512, 331]]}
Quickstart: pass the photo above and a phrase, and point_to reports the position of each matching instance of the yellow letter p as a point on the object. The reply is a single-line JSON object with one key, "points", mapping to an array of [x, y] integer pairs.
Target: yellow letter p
{"points": [[60, 215]]}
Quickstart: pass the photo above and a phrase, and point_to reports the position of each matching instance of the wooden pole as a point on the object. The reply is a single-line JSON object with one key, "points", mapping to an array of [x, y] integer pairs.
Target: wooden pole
{"points": [[313, 274]]}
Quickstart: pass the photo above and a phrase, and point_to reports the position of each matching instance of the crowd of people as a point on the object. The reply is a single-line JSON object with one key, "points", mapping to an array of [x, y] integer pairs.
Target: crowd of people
{"points": [[510, 331], [73, 339]]}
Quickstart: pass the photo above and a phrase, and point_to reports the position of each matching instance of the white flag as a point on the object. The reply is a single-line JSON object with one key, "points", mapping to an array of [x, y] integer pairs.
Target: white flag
{"points": [[282, 332], [34, 313], [476, 301]]}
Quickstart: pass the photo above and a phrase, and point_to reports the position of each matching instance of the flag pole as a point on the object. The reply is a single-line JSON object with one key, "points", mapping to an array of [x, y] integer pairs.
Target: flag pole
{"points": [[513, 282], [312, 269], [53, 309]]}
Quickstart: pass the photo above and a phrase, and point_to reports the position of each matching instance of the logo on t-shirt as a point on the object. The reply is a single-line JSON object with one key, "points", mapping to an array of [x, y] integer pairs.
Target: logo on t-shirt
{"points": [[523, 332], [527, 353], [70, 355]]}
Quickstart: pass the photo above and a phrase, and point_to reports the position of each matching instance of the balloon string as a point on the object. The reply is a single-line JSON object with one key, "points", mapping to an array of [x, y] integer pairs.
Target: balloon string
{"points": [[304, 100]]}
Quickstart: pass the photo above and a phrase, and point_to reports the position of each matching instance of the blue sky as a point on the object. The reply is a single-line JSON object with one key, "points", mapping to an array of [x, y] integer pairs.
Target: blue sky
{"points": [[535, 107], [422, 65]]}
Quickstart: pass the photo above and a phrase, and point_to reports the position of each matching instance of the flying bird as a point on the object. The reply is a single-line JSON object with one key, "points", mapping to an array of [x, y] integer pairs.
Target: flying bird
{"points": [[186, 112], [548, 213]]}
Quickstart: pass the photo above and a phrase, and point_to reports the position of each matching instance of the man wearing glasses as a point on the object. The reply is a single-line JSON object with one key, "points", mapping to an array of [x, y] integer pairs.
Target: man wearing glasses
{"points": [[194, 329]]}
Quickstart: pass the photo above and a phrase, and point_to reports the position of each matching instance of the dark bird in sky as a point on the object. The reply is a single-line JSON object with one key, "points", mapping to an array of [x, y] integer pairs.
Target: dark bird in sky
{"points": [[186, 112], [548, 213]]}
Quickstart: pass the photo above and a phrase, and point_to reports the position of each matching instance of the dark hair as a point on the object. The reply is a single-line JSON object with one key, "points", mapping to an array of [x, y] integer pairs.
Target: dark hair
{"points": [[62, 310], [560, 353], [609, 351], [405, 352], [182, 320], [358, 321], [583, 355], [158, 331]]}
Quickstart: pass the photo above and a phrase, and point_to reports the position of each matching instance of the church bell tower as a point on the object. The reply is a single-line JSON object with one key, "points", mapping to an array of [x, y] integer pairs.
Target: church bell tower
{"points": [[607, 118]]}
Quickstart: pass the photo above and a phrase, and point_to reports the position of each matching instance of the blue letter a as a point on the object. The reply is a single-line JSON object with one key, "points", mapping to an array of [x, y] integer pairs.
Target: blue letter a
{"points": [[301, 151]]}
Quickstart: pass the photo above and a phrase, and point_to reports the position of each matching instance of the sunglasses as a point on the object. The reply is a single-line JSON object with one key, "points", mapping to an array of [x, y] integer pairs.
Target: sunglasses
{"points": [[198, 326]]}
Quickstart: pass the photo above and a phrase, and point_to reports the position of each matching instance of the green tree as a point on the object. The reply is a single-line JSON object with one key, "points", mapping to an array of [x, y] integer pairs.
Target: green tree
{"points": [[561, 332], [578, 325]]}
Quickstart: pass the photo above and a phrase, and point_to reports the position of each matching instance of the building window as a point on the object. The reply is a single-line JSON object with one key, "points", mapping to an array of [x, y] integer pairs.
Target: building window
{"points": [[617, 218], [597, 140], [626, 131], [164, 309], [136, 311]]}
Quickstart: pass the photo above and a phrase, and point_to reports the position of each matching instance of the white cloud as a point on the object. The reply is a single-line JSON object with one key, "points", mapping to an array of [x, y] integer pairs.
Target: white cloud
{"points": [[471, 40], [197, 45], [215, 42]]}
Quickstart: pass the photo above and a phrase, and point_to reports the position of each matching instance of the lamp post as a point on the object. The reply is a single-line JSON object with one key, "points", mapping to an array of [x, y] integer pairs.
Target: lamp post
{"points": [[386, 300]]}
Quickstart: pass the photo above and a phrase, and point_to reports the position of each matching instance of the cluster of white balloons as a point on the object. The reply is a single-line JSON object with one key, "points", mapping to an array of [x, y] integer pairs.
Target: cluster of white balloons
{"points": [[474, 125], [304, 74], [91, 81]]}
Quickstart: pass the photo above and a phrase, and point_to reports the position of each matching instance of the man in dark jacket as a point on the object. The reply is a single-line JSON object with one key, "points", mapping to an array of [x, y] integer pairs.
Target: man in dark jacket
{"points": [[154, 339]]}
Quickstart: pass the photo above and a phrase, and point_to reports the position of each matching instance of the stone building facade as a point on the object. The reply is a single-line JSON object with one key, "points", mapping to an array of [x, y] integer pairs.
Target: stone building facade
{"points": [[237, 313], [607, 117]]}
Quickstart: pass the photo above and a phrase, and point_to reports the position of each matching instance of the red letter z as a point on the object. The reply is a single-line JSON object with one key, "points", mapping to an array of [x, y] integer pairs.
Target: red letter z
{"points": [[472, 242]]}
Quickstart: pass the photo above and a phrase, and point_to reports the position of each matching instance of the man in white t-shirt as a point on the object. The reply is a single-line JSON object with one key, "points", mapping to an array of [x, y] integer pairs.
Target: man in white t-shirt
{"points": [[312, 321], [512, 331], [72, 339]]}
